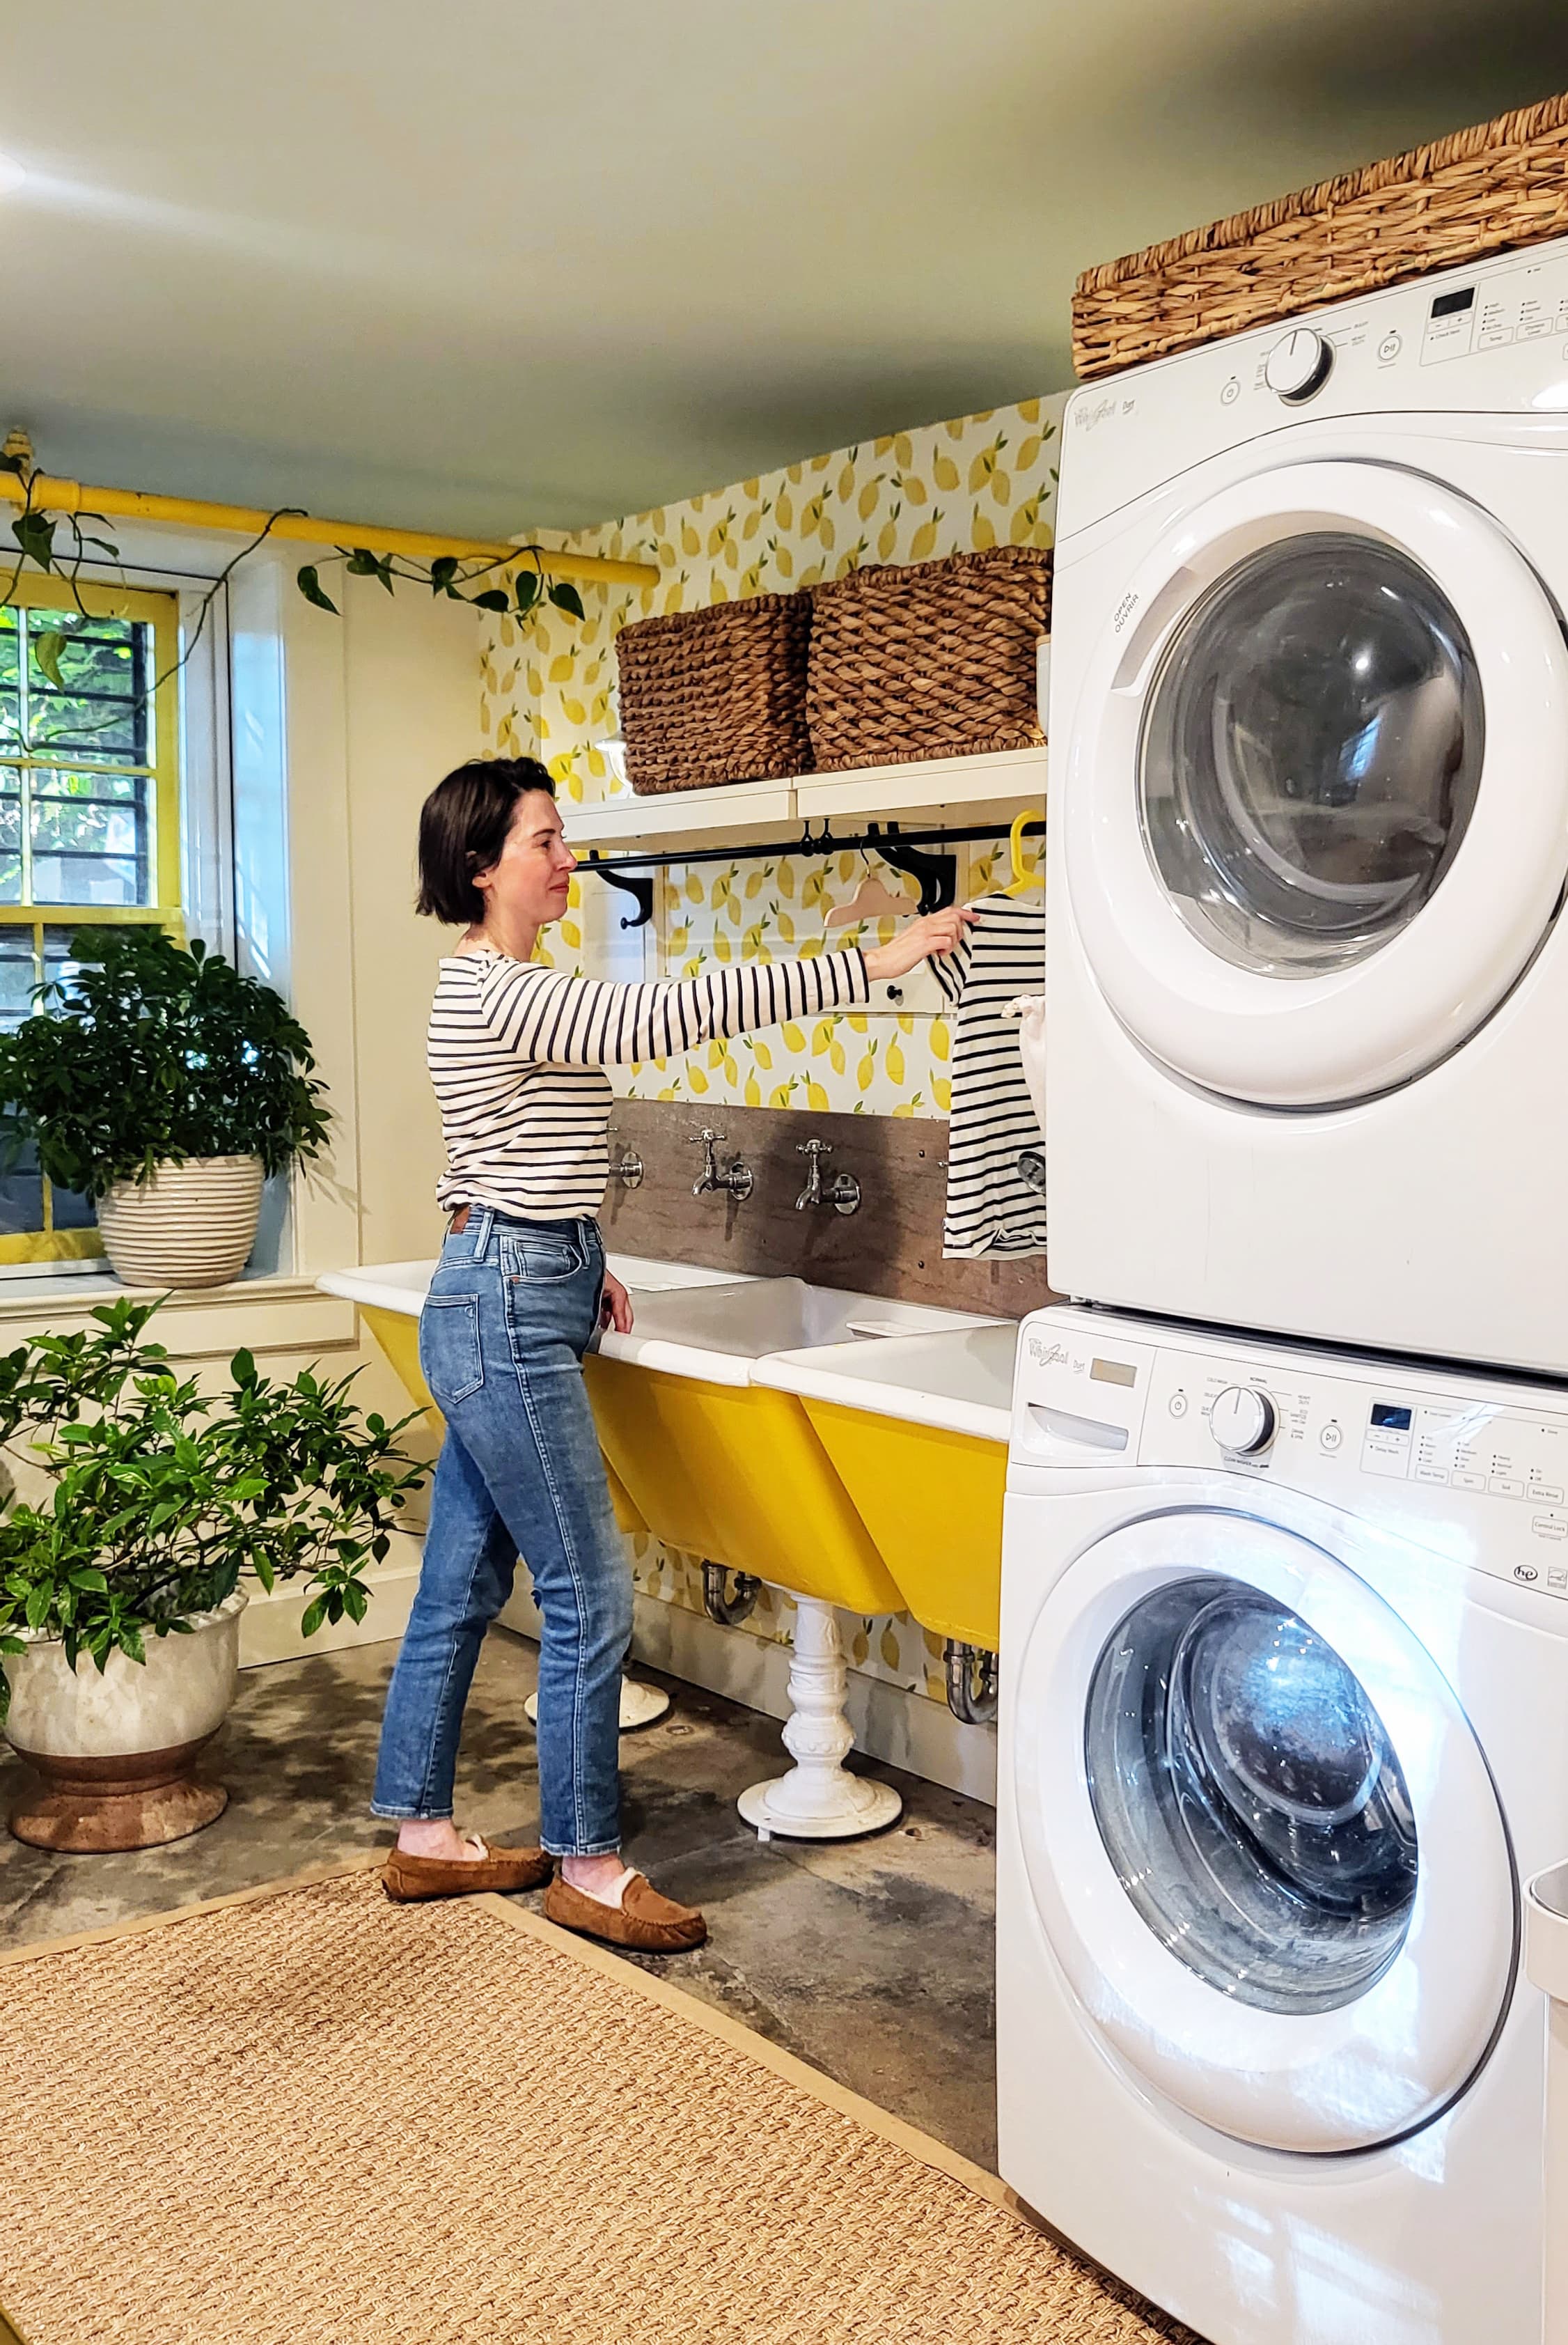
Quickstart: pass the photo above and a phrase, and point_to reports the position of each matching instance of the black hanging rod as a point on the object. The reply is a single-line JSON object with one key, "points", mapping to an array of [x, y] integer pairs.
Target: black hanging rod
{"points": [[826, 843], [902, 849]]}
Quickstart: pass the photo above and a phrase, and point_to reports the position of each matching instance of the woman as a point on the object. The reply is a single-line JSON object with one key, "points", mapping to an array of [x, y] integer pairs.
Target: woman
{"points": [[517, 1054]]}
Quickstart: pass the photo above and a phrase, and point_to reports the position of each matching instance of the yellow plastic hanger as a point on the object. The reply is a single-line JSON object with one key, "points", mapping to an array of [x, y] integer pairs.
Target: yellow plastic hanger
{"points": [[1022, 880]]}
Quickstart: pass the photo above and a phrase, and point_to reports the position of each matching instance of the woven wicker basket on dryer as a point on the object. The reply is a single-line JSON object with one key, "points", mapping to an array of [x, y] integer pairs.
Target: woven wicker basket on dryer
{"points": [[932, 659], [716, 695], [1500, 184]]}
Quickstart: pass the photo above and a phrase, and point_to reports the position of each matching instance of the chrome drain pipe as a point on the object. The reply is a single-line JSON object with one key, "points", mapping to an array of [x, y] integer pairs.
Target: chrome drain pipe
{"points": [[971, 1682], [728, 1610]]}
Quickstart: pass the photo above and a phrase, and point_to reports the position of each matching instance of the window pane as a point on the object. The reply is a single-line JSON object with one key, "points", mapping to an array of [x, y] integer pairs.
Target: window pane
{"points": [[89, 838], [10, 703], [21, 1196], [19, 975], [58, 965], [99, 706], [20, 972], [69, 1211], [10, 837]]}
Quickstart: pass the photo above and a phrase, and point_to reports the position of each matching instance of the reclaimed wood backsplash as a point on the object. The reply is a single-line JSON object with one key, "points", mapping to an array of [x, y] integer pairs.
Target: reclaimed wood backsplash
{"points": [[892, 1246]]}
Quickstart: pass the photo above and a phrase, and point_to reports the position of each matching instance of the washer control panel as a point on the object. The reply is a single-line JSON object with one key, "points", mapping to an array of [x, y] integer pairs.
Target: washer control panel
{"points": [[1477, 1467]]}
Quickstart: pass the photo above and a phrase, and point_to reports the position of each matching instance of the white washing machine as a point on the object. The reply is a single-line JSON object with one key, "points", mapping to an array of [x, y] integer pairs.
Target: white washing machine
{"points": [[1308, 1049], [1284, 1722]]}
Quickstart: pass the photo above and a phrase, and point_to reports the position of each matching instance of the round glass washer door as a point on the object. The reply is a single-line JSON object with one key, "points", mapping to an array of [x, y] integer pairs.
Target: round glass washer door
{"points": [[1248, 1797], [1262, 1839], [1317, 815]]}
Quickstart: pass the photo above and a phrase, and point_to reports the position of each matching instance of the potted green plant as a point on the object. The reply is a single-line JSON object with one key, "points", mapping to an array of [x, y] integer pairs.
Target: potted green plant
{"points": [[165, 1086], [137, 1502]]}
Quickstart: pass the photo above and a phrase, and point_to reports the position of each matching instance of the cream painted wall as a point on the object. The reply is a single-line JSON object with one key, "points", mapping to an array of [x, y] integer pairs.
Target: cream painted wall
{"points": [[379, 705], [409, 670]]}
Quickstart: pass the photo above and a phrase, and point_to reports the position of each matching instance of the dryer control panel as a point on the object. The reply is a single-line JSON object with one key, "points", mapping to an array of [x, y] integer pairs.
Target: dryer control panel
{"points": [[1489, 338], [1476, 1467]]}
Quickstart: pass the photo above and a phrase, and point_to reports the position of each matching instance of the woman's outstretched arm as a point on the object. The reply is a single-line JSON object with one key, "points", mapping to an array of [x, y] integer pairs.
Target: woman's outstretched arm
{"points": [[576, 1021]]}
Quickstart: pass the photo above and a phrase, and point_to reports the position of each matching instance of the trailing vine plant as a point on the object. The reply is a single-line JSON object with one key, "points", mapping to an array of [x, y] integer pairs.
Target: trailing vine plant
{"points": [[37, 539]]}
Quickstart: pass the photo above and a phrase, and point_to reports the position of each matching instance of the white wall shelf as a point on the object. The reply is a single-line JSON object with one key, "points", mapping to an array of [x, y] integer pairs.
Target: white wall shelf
{"points": [[991, 787], [707, 817], [996, 783]]}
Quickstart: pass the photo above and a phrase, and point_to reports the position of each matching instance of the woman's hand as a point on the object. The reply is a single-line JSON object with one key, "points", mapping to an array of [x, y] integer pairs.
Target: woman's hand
{"points": [[937, 933], [615, 1306]]}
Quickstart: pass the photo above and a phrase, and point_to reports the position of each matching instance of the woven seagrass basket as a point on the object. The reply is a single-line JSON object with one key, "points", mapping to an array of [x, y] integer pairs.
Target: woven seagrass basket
{"points": [[929, 659], [716, 695], [1488, 190]]}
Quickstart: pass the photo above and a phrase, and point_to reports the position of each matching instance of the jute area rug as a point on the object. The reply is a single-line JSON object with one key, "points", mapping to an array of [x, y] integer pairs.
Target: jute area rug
{"points": [[306, 2117]]}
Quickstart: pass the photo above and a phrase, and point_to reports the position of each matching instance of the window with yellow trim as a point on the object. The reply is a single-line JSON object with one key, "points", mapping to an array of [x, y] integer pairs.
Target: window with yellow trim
{"points": [[89, 817]]}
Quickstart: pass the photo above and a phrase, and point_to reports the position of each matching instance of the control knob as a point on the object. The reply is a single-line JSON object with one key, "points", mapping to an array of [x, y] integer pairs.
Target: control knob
{"points": [[1242, 1420], [1298, 366]]}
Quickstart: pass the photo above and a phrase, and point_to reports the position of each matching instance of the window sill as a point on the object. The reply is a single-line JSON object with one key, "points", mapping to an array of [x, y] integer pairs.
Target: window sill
{"points": [[269, 1313]]}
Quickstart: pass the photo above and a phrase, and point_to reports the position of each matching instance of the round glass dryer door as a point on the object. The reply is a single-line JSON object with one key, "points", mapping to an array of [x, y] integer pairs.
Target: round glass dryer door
{"points": [[1317, 816], [1262, 1839], [1310, 754]]}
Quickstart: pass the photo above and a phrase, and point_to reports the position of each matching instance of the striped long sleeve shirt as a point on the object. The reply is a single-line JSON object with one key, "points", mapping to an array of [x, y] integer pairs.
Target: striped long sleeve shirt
{"points": [[517, 1054], [990, 1211]]}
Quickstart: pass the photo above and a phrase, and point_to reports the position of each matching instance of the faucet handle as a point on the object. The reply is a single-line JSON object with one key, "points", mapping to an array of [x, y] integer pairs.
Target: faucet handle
{"points": [[704, 1139], [814, 1148]]}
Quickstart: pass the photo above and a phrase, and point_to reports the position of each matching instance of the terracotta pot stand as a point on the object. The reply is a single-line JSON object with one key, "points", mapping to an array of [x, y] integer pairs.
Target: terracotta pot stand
{"points": [[91, 1806]]}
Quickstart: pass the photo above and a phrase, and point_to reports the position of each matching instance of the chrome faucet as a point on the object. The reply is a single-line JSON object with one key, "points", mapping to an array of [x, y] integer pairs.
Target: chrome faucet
{"points": [[628, 1167], [737, 1178], [842, 1192]]}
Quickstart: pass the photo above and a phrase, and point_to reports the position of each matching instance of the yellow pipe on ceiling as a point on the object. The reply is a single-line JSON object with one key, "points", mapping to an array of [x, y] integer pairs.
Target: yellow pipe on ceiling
{"points": [[49, 495]]}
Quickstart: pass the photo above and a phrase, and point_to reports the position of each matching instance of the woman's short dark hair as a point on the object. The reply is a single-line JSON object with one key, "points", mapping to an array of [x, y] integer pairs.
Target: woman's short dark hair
{"points": [[463, 826]]}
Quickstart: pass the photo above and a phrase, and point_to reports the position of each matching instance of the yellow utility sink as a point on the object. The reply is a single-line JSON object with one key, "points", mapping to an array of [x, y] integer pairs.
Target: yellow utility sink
{"points": [[917, 1430], [726, 1469], [390, 1296], [720, 1462], [710, 1453]]}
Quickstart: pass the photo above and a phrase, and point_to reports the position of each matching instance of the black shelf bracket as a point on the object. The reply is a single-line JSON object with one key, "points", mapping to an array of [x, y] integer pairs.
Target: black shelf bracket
{"points": [[639, 886]]}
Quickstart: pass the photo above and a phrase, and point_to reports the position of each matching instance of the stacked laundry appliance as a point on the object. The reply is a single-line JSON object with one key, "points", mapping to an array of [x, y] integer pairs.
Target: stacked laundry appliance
{"points": [[1285, 1581]]}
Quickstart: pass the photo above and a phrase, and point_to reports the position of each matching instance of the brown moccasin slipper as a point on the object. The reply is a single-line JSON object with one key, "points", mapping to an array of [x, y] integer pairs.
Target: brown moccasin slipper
{"points": [[407, 1878], [643, 1921]]}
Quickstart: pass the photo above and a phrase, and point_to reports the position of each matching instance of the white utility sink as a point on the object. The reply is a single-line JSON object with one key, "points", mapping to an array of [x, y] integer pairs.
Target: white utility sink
{"points": [[917, 1432], [958, 1379], [720, 1333], [402, 1286]]}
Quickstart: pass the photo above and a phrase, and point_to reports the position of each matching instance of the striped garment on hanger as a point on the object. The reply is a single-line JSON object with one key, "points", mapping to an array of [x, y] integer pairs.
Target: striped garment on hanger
{"points": [[990, 1211]]}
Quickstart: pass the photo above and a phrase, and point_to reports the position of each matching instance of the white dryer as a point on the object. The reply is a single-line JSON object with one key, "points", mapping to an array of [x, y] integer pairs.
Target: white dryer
{"points": [[1284, 1721], [1308, 1049]]}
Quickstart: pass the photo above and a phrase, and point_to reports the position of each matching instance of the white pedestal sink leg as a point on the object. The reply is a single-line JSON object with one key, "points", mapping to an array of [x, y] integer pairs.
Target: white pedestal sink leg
{"points": [[639, 1704], [819, 1799]]}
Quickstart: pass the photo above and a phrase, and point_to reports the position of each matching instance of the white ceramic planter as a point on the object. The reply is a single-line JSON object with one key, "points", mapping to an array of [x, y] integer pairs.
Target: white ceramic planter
{"points": [[192, 1225], [114, 1751]]}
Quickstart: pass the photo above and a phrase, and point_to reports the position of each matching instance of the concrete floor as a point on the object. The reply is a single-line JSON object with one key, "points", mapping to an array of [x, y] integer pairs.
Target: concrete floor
{"points": [[871, 1959]]}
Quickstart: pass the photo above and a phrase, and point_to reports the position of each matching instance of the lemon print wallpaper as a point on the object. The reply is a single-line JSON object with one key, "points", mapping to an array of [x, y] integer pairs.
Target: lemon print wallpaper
{"points": [[549, 691]]}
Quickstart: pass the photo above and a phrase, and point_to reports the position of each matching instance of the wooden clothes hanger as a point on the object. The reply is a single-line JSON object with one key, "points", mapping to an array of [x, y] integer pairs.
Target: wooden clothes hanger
{"points": [[1023, 882], [870, 901]]}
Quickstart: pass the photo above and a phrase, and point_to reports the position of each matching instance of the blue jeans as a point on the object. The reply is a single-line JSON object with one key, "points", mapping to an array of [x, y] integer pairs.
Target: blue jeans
{"points": [[512, 1309]]}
